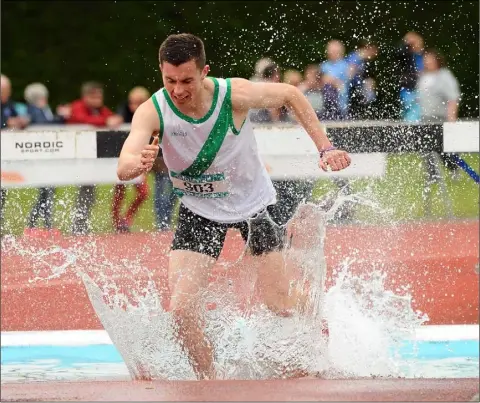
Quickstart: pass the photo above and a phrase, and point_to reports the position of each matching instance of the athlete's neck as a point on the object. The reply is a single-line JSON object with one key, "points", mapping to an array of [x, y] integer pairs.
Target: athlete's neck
{"points": [[201, 102]]}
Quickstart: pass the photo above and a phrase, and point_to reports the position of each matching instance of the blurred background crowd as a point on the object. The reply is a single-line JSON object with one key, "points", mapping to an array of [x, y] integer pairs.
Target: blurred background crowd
{"points": [[343, 86]]}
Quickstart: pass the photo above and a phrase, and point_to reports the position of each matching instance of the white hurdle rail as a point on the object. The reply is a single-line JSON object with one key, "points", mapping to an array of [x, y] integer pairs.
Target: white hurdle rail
{"points": [[83, 155]]}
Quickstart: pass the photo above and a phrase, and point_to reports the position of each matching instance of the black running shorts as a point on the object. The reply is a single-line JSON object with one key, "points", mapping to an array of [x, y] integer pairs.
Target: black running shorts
{"points": [[198, 234]]}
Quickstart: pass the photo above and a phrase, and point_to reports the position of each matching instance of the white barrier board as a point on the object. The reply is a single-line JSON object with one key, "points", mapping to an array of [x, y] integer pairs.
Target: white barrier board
{"points": [[461, 137], [17, 174]]}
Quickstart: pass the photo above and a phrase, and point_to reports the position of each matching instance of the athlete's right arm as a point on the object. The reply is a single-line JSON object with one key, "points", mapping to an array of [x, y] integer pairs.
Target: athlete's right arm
{"points": [[137, 155]]}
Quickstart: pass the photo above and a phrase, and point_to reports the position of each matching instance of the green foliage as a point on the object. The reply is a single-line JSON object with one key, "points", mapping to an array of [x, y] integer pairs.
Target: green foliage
{"points": [[64, 43]]}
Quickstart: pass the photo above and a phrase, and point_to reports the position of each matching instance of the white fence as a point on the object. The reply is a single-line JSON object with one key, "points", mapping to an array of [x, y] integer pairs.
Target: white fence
{"points": [[67, 155]]}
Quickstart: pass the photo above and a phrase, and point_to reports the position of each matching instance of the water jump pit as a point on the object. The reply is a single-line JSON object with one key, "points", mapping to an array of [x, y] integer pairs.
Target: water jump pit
{"points": [[79, 322]]}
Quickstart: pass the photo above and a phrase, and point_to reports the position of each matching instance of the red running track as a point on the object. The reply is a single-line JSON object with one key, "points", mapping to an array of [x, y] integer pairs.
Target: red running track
{"points": [[439, 261], [381, 390]]}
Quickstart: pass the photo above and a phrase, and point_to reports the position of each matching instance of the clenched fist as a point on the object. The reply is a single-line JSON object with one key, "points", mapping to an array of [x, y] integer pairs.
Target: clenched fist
{"points": [[149, 155], [334, 159]]}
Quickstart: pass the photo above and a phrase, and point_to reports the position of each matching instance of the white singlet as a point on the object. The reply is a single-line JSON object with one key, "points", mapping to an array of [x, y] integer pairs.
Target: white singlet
{"points": [[214, 168]]}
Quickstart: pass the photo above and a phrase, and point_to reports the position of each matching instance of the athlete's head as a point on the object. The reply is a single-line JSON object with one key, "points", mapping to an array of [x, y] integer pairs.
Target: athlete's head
{"points": [[182, 63]]}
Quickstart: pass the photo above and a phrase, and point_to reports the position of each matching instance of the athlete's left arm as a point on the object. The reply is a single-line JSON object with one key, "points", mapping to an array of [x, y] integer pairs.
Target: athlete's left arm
{"points": [[248, 95]]}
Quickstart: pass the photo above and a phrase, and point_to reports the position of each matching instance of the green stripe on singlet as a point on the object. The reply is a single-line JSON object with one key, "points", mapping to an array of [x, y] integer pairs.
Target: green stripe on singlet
{"points": [[214, 142], [157, 107]]}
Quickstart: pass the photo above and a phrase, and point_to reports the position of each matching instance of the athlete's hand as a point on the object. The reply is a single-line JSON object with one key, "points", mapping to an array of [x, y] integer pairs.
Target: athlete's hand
{"points": [[149, 155], [336, 160]]}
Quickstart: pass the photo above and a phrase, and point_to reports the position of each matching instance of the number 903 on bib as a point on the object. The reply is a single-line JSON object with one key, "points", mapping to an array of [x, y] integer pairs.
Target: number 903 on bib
{"points": [[206, 186]]}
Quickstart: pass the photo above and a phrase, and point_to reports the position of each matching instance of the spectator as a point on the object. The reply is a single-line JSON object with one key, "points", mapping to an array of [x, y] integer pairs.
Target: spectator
{"points": [[260, 66], [309, 78], [136, 97], [337, 67], [10, 116], [312, 88], [362, 93], [438, 90], [90, 110], [322, 93], [439, 97], [293, 77], [39, 111], [10, 120], [409, 67], [331, 97]]}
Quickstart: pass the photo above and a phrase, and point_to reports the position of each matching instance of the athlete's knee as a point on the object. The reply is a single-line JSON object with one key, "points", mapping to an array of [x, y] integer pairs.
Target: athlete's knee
{"points": [[185, 310]]}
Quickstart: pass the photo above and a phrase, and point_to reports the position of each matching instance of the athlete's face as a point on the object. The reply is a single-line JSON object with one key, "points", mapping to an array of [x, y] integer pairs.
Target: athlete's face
{"points": [[183, 82]]}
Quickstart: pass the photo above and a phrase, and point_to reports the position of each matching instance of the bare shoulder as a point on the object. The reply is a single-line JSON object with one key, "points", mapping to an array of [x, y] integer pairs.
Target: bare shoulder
{"points": [[146, 116], [241, 88], [247, 94]]}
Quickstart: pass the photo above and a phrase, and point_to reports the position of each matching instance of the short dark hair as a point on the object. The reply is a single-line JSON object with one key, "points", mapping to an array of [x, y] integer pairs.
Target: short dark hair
{"points": [[181, 48]]}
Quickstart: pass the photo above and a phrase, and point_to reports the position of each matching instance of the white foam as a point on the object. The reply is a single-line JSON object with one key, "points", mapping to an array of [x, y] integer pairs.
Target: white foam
{"points": [[99, 337]]}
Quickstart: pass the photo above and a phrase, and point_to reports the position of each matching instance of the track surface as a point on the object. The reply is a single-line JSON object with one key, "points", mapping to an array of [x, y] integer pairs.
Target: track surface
{"points": [[404, 390]]}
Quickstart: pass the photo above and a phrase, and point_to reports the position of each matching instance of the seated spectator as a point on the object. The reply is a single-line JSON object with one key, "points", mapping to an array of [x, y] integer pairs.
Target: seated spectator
{"points": [[10, 116], [39, 111], [136, 97], [90, 109]]}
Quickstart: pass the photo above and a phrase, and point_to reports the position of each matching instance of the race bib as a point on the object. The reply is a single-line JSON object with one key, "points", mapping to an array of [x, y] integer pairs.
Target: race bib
{"points": [[207, 186]]}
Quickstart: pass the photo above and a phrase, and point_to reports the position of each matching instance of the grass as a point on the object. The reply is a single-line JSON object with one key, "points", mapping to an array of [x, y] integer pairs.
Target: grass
{"points": [[398, 193]]}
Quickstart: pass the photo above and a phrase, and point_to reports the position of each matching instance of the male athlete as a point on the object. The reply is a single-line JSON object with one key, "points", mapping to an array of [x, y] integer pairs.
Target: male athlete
{"points": [[210, 151]]}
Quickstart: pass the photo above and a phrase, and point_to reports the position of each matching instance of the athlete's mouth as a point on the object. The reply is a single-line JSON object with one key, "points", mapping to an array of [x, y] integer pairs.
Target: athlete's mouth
{"points": [[180, 98]]}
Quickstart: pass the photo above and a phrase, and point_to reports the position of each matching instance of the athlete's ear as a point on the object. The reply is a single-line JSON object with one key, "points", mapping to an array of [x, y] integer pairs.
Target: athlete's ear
{"points": [[205, 71]]}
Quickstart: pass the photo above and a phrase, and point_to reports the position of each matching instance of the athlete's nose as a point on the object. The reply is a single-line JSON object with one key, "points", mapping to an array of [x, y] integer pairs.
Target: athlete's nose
{"points": [[178, 90]]}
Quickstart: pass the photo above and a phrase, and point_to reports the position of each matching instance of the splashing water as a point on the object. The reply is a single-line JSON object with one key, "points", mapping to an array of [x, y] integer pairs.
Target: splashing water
{"points": [[366, 322]]}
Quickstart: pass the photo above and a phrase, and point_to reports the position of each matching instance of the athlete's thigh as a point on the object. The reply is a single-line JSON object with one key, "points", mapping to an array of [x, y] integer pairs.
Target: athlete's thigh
{"points": [[289, 195], [262, 234], [188, 274], [195, 249]]}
